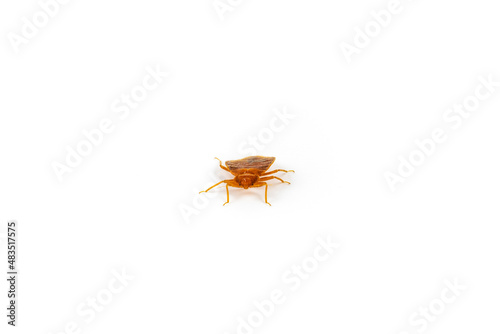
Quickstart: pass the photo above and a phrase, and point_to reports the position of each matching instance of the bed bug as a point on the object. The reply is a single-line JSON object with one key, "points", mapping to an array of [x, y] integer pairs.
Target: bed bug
{"points": [[249, 172]]}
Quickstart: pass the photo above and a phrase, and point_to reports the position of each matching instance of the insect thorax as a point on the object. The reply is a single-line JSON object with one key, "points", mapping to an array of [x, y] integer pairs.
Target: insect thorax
{"points": [[246, 179]]}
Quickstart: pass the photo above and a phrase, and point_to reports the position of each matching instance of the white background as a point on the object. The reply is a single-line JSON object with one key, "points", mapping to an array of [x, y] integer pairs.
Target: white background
{"points": [[121, 207]]}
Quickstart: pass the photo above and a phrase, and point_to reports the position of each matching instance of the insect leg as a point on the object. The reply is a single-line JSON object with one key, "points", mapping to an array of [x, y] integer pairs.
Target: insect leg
{"points": [[261, 184], [227, 190], [266, 195], [273, 177], [221, 166], [278, 170], [215, 185]]}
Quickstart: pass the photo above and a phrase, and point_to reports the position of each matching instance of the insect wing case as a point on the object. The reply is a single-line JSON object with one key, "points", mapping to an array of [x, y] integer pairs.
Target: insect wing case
{"points": [[255, 162]]}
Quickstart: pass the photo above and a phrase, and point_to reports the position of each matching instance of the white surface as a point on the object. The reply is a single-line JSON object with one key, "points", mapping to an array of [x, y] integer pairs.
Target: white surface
{"points": [[121, 207]]}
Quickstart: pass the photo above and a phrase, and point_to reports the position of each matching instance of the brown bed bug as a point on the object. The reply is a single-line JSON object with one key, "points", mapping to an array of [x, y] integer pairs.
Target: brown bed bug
{"points": [[248, 173]]}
